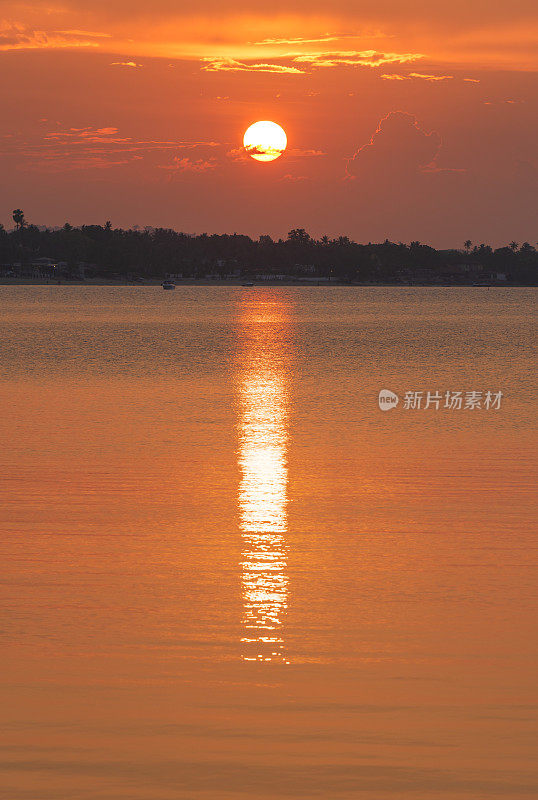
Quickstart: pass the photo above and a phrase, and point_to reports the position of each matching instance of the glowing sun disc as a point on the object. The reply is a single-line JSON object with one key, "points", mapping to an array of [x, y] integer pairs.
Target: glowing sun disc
{"points": [[265, 140]]}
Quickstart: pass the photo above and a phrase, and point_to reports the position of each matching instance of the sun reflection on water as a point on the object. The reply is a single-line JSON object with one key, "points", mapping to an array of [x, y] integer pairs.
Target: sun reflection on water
{"points": [[263, 490]]}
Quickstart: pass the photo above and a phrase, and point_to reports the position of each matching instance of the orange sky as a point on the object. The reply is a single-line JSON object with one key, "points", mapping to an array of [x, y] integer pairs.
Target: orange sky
{"points": [[404, 120]]}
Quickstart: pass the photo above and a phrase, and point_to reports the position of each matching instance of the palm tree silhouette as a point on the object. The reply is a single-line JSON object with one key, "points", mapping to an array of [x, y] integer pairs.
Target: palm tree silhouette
{"points": [[468, 244], [18, 218], [513, 246]]}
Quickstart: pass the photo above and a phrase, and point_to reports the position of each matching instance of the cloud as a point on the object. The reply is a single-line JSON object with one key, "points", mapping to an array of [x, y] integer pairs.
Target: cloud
{"points": [[472, 80], [502, 102], [399, 147], [125, 64], [237, 154], [417, 75], [51, 163], [491, 34], [23, 37], [230, 65], [327, 37], [85, 136], [243, 154], [432, 78], [186, 164], [435, 168], [89, 148], [82, 34], [294, 178], [355, 58], [267, 150], [297, 153], [311, 61]]}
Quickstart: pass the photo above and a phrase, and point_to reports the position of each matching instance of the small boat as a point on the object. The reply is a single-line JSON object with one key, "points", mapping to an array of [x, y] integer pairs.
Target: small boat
{"points": [[248, 283], [168, 285]]}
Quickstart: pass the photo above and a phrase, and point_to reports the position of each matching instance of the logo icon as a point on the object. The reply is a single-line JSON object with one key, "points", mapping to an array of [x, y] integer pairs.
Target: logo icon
{"points": [[387, 400]]}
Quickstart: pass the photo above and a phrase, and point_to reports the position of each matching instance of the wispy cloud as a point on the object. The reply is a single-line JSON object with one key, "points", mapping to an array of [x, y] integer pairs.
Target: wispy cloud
{"points": [[23, 37], [431, 78], [243, 154], [231, 65], [297, 153], [307, 62], [256, 149], [503, 102], [70, 149], [425, 77], [355, 58], [326, 37], [418, 76], [125, 64], [52, 163], [185, 164], [293, 153], [294, 178], [92, 34]]}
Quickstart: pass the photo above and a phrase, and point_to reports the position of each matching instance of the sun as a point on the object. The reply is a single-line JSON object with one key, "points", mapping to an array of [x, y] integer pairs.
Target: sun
{"points": [[265, 140]]}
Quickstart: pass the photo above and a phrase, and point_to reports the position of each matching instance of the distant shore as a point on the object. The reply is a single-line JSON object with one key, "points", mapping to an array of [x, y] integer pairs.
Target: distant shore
{"points": [[297, 284]]}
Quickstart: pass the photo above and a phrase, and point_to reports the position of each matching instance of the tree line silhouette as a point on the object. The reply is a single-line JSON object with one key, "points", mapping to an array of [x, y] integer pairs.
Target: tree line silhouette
{"points": [[109, 252]]}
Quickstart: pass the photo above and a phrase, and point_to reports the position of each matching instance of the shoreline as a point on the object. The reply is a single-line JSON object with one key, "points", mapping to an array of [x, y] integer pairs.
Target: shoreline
{"points": [[260, 284]]}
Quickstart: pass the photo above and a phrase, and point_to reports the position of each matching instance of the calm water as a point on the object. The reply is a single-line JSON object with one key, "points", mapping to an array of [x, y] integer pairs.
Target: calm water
{"points": [[227, 574]]}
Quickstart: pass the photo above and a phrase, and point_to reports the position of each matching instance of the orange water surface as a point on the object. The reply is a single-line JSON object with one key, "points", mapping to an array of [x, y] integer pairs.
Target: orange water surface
{"points": [[227, 574]]}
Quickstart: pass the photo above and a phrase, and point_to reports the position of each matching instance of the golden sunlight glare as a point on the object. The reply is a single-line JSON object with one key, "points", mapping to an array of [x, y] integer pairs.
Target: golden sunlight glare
{"points": [[265, 140]]}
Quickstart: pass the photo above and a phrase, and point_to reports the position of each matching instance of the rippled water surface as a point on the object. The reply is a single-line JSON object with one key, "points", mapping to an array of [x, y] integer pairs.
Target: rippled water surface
{"points": [[227, 574]]}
